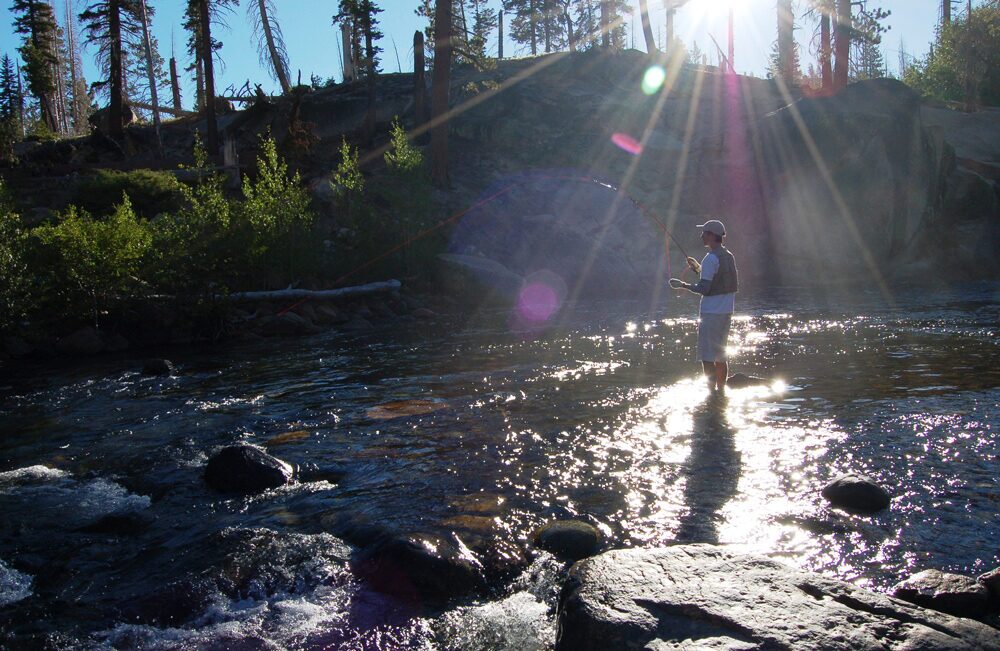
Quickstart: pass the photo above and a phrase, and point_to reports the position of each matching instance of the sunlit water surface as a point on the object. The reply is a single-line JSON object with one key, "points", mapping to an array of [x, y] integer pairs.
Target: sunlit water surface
{"points": [[602, 416]]}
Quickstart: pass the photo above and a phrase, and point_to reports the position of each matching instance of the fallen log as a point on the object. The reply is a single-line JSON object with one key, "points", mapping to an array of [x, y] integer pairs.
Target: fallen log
{"points": [[321, 294]]}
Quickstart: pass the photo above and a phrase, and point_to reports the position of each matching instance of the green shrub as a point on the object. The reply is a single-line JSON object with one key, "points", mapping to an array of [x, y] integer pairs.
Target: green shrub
{"points": [[13, 269], [150, 193], [276, 211], [194, 247], [87, 265]]}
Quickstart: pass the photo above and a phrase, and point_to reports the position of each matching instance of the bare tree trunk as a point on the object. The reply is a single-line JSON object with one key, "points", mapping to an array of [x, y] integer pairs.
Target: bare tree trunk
{"points": [[212, 129], [786, 54], [441, 87], [149, 75], [345, 37], [531, 21], [842, 44], [669, 45], [370, 62], [605, 28], [732, 43], [116, 109], [199, 82], [647, 28], [279, 66], [946, 12], [825, 52], [500, 37], [175, 86], [419, 85], [75, 116], [570, 36]]}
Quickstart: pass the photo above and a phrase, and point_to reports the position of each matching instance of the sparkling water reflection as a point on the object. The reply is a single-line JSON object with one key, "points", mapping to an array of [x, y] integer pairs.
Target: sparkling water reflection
{"points": [[601, 416]]}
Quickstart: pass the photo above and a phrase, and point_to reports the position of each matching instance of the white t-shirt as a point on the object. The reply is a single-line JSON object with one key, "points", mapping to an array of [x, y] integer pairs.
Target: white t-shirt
{"points": [[720, 303]]}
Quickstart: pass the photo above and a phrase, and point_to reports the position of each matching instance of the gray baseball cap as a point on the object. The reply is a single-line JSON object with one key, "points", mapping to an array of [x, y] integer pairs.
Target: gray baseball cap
{"points": [[713, 226]]}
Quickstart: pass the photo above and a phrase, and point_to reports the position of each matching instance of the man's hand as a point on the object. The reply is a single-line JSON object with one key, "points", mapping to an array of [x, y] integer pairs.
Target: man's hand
{"points": [[676, 283], [694, 264]]}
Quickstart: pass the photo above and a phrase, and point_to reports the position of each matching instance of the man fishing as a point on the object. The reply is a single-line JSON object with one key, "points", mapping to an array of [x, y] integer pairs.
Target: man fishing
{"points": [[717, 285]]}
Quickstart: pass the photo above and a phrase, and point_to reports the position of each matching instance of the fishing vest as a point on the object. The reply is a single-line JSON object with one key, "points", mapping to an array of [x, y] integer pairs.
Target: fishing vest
{"points": [[726, 280]]}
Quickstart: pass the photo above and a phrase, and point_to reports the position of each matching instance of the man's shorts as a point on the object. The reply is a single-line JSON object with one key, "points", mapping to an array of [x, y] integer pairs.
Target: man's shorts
{"points": [[713, 334]]}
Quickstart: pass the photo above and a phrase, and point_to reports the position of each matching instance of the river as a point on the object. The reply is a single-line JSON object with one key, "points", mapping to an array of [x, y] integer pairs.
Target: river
{"points": [[599, 415]]}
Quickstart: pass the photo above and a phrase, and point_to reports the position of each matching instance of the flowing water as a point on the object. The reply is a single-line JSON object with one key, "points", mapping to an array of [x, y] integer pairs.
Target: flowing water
{"points": [[109, 530]]}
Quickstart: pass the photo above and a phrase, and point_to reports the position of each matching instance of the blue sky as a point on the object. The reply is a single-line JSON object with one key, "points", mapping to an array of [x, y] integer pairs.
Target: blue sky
{"points": [[313, 43]]}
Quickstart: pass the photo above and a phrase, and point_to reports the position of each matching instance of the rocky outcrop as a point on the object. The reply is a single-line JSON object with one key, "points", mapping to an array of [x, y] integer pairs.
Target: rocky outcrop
{"points": [[245, 470], [856, 493], [704, 597], [956, 594]]}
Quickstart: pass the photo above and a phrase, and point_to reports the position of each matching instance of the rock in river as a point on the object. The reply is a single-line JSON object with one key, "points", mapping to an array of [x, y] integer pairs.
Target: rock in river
{"points": [[704, 597], [856, 493], [958, 595], [245, 469], [568, 539], [422, 569]]}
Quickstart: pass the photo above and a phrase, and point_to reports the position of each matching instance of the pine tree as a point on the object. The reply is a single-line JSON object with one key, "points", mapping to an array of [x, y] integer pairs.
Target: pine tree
{"points": [[108, 23], [363, 15], [10, 91], [78, 98], [199, 15], [484, 21], [36, 23]]}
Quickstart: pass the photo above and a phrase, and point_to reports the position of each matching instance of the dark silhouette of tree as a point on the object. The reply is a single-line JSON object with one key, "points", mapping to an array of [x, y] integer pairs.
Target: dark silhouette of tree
{"points": [[440, 92], [35, 21], [270, 42], [105, 23], [199, 17], [647, 27], [363, 16]]}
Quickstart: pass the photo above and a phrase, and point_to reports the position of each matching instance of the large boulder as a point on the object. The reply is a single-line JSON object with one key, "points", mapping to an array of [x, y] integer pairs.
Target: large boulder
{"points": [[704, 597], [959, 595], [581, 232], [245, 470], [856, 493]]}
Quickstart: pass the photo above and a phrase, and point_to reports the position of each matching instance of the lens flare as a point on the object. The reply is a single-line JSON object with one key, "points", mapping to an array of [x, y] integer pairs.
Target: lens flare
{"points": [[652, 80], [537, 302], [627, 143]]}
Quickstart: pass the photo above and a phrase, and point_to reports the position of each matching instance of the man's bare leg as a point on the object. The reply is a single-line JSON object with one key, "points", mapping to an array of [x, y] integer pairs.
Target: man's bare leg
{"points": [[710, 374], [721, 375]]}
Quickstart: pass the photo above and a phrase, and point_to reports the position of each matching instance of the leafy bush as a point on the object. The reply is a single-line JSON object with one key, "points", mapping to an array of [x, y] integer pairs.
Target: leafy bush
{"points": [[150, 193], [193, 248], [964, 63], [13, 268], [276, 210], [86, 264]]}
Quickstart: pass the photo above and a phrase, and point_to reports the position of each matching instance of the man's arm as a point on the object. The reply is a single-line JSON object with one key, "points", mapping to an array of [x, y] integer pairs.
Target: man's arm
{"points": [[709, 266]]}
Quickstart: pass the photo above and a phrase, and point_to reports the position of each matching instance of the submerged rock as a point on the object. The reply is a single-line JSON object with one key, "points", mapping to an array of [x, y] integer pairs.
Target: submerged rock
{"points": [[704, 597], [740, 380], [856, 493], [568, 539], [950, 593], [245, 469], [422, 569]]}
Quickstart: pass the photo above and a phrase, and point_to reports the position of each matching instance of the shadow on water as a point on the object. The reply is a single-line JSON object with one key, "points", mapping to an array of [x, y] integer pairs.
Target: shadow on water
{"points": [[712, 470]]}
